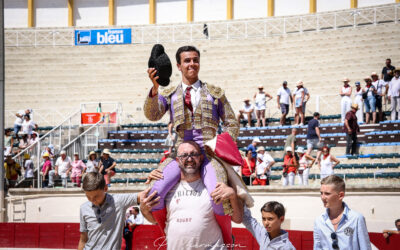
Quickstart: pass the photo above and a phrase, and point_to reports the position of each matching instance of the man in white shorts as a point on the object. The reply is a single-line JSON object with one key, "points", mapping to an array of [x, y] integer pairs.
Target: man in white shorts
{"points": [[247, 112]]}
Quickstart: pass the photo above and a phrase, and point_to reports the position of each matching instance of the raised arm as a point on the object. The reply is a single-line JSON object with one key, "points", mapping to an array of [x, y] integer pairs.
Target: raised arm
{"points": [[155, 105], [255, 228]]}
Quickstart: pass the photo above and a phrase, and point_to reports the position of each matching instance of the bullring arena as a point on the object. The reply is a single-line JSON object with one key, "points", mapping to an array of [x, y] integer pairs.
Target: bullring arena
{"points": [[88, 95]]}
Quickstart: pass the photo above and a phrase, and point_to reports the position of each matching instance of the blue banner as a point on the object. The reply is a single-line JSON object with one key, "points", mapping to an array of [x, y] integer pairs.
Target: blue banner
{"points": [[103, 37]]}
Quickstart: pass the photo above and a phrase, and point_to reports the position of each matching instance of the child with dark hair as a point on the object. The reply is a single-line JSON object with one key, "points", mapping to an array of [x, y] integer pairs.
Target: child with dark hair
{"points": [[102, 218], [269, 235]]}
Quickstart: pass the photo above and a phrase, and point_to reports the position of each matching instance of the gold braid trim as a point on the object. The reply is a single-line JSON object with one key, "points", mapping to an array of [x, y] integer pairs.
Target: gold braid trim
{"points": [[215, 91]]}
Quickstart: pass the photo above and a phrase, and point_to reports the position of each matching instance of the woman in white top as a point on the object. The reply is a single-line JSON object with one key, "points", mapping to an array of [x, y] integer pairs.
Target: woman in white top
{"points": [[305, 163], [260, 99], [298, 96], [28, 125], [370, 102], [327, 163], [345, 93], [92, 165], [360, 102]]}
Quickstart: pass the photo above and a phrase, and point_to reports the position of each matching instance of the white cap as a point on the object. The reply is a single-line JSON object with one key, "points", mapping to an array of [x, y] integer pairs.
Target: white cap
{"points": [[300, 150], [63, 152], [256, 139], [289, 149]]}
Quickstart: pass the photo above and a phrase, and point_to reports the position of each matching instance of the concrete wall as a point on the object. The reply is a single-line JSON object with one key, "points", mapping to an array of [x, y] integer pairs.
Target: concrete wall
{"points": [[129, 12], [91, 12], [15, 13], [53, 13], [302, 207]]}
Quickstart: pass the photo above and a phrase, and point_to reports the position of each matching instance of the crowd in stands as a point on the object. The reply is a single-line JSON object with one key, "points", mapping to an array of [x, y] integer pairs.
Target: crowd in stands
{"points": [[370, 99]]}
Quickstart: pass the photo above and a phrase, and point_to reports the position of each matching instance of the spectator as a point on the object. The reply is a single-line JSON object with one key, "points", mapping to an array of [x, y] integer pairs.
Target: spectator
{"points": [[394, 95], [345, 93], [264, 165], [306, 99], [290, 166], [186, 226], [388, 71], [12, 170], [49, 149], [62, 169], [380, 87], [298, 96], [28, 126], [102, 218], [171, 138], [92, 165], [23, 141], [370, 101], [313, 134], [46, 168], [291, 140], [107, 166], [135, 219], [247, 112], [248, 167], [284, 95], [260, 99], [252, 147], [8, 142], [166, 155], [387, 233], [19, 120], [304, 166], [360, 102], [339, 227], [269, 235], [351, 128], [28, 169], [34, 138], [77, 168], [327, 163], [260, 176]]}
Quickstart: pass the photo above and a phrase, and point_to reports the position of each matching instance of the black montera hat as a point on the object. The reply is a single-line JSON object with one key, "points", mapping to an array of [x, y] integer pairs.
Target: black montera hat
{"points": [[160, 61]]}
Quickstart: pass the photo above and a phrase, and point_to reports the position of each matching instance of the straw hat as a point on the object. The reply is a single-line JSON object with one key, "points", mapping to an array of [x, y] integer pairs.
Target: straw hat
{"points": [[106, 151], [345, 79], [354, 106], [299, 83], [260, 149]]}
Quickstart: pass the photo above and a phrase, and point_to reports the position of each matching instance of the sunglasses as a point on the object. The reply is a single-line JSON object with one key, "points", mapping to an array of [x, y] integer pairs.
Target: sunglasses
{"points": [[335, 244], [99, 216]]}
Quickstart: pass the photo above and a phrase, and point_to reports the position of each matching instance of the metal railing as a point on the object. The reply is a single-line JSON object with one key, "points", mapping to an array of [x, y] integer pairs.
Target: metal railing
{"points": [[238, 29], [55, 138], [42, 117]]}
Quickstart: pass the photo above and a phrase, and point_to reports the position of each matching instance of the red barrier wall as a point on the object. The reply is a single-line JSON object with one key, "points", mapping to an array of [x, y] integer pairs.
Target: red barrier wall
{"points": [[66, 235]]}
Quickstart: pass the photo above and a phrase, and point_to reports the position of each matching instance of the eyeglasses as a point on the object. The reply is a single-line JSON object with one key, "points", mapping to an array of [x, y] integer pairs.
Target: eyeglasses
{"points": [[335, 244], [99, 216], [186, 156]]}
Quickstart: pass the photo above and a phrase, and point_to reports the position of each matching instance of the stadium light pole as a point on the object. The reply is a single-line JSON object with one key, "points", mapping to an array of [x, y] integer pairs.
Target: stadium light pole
{"points": [[2, 206]]}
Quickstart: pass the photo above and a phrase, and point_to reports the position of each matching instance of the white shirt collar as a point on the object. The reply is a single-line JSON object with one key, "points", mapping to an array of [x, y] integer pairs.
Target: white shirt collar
{"points": [[195, 86]]}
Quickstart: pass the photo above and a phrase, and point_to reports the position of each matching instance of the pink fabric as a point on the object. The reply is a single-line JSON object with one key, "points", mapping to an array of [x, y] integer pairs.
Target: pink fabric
{"points": [[47, 164], [77, 180], [77, 168], [107, 177]]}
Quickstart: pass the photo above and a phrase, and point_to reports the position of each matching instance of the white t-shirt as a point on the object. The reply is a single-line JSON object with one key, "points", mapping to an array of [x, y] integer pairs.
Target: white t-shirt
{"points": [[394, 87], [91, 166], [247, 108], [284, 95], [63, 166], [139, 220], [19, 120], [266, 160], [370, 91], [191, 222], [379, 84], [27, 127], [28, 169]]}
